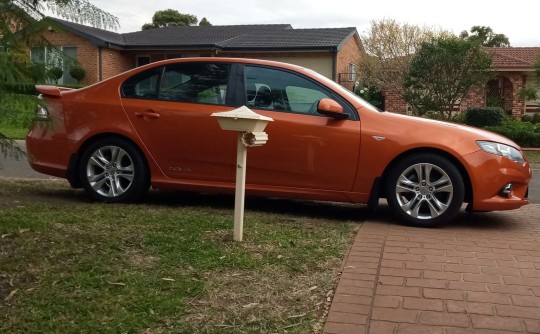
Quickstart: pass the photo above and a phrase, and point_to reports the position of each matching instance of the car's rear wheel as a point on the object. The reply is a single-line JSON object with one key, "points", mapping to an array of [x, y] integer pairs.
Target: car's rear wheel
{"points": [[113, 170], [425, 190]]}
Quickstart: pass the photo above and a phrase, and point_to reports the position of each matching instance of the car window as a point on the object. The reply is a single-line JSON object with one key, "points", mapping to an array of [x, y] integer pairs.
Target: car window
{"points": [[142, 85], [195, 83], [273, 89], [181, 82]]}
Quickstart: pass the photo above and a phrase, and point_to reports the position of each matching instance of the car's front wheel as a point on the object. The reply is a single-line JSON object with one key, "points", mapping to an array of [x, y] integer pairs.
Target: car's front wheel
{"points": [[425, 190], [113, 170]]}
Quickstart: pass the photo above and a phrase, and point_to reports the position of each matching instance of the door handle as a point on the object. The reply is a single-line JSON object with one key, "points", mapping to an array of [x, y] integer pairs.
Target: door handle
{"points": [[147, 115]]}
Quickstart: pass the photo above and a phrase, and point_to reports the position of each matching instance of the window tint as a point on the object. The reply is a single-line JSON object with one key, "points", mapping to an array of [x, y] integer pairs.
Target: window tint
{"points": [[273, 89], [142, 85], [185, 82], [195, 83]]}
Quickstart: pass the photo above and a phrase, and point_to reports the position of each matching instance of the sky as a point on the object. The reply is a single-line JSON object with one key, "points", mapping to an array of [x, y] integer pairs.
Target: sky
{"points": [[518, 20]]}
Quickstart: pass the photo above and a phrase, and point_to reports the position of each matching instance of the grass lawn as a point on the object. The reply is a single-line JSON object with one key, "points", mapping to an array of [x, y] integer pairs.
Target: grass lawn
{"points": [[533, 156], [12, 131], [167, 265]]}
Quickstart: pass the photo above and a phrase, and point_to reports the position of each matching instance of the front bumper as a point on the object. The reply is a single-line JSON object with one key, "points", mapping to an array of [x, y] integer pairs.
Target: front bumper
{"points": [[492, 177]]}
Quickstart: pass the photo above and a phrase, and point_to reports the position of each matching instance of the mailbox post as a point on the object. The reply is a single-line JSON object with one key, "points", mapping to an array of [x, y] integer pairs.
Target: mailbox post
{"points": [[250, 127]]}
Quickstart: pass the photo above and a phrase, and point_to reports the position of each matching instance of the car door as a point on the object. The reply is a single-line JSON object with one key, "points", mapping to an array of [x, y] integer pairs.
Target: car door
{"points": [[304, 149], [170, 107]]}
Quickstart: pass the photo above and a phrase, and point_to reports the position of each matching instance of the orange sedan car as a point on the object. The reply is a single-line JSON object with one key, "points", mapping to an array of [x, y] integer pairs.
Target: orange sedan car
{"points": [[151, 126]]}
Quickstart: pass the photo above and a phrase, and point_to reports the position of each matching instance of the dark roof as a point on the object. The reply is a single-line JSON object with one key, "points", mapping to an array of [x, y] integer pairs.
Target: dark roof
{"points": [[293, 39], [228, 37], [95, 35], [514, 58]]}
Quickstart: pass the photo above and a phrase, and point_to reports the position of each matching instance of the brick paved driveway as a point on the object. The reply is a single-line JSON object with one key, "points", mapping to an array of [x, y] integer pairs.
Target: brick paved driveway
{"points": [[479, 275]]}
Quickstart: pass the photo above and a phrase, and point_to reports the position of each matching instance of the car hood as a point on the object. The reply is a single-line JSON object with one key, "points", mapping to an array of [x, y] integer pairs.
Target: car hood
{"points": [[447, 128]]}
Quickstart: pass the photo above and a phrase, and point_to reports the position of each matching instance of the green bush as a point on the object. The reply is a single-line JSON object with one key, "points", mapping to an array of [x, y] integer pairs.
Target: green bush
{"points": [[56, 73], [77, 72], [524, 134], [485, 116], [535, 119]]}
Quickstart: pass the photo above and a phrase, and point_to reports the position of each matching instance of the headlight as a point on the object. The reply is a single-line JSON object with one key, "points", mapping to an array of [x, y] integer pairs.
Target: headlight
{"points": [[502, 150]]}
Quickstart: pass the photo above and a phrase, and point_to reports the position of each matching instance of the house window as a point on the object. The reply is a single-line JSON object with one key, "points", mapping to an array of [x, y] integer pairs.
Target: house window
{"points": [[64, 57], [143, 60], [352, 72]]}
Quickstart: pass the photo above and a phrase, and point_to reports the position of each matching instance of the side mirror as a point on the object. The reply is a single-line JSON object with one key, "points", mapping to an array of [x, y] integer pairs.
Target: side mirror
{"points": [[331, 108]]}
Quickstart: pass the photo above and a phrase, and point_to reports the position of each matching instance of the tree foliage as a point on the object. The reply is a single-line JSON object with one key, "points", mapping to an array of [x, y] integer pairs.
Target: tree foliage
{"points": [[205, 23], [389, 48], [485, 36], [170, 17], [17, 72], [443, 72]]}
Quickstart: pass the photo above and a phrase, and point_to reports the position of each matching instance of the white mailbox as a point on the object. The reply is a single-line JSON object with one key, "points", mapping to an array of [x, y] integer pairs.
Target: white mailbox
{"points": [[250, 127]]}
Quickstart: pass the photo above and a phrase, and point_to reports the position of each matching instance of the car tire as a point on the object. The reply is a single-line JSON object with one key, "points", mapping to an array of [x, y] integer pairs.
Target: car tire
{"points": [[113, 170], [425, 190]]}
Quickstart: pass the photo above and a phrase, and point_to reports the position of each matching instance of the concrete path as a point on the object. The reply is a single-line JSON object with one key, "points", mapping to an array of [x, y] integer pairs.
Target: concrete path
{"points": [[480, 274]]}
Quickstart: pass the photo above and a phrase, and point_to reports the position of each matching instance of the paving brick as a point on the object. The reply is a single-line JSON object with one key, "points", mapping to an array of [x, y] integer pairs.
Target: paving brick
{"points": [[442, 275], [462, 268], [390, 290], [423, 265], [535, 291], [515, 264], [470, 307], [391, 280], [360, 270], [402, 257], [395, 315], [501, 271], [352, 299], [356, 283], [354, 290], [460, 254], [442, 259], [510, 289], [347, 318], [532, 326], [363, 259], [341, 328], [426, 251], [438, 246], [482, 278], [426, 283], [400, 250], [526, 301], [479, 262], [527, 281], [418, 329], [488, 297], [498, 257], [361, 277], [387, 301], [403, 244], [443, 294], [362, 254], [530, 273], [392, 264], [350, 308], [467, 286], [400, 272], [518, 311], [423, 304], [444, 319], [496, 323], [381, 327]]}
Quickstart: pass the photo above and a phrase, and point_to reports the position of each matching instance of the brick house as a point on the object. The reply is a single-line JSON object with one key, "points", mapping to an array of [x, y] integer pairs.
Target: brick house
{"points": [[333, 52], [514, 70]]}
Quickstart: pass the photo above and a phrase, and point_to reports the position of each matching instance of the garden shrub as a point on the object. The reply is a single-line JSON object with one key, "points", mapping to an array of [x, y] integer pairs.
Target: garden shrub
{"points": [[485, 116], [77, 72], [524, 134], [535, 119]]}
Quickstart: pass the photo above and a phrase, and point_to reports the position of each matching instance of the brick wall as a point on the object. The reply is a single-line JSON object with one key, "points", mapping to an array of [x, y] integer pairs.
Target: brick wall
{"points": [[394, 103], [350, 53], [475, 98], [87, 53], [115, 62]]}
